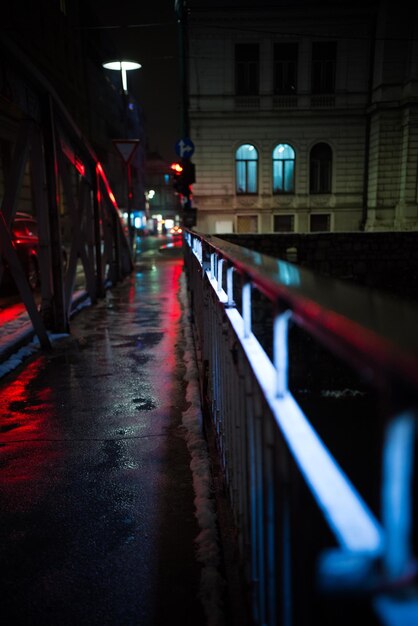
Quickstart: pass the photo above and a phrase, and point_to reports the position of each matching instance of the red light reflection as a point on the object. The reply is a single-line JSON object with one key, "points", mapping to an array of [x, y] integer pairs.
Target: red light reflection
{"points": [[11, 313], [79, 165], [102, 175], [170, 285], [25, 423]]}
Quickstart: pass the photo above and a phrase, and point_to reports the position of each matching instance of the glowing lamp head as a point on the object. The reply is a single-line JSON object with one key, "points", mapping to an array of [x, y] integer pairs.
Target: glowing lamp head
{"points": [[176, 167], [122, 67]]}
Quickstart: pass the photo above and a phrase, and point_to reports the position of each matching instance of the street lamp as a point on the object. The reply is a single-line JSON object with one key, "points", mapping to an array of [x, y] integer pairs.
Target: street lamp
{"points": [[122, 67]]}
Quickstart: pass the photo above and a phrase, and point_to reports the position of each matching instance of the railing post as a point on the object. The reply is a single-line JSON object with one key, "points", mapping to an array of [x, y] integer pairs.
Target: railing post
{"points": [[59, 310], [280, 351], [246, 307], [220, 264], [117, 266], [397, 485], [230, 286], [37, 164], [212, 264], [97, 212]]}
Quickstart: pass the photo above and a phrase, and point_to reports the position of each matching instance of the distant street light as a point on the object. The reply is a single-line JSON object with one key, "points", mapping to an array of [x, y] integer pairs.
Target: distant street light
{"points": [[122, 67]]}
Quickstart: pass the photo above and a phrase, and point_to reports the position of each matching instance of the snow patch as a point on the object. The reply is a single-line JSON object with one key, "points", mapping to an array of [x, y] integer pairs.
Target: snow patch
{"points": [[16, 359], [212, 583]]}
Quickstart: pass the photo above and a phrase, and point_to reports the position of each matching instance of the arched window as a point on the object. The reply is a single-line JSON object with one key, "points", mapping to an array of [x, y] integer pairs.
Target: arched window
{"points": [[246, 169], [320, 169], [283, 169]]}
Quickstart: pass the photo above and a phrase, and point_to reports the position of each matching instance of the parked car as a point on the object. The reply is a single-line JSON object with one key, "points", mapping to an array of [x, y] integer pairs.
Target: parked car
{"points": [[176, 231], [26, 243]]}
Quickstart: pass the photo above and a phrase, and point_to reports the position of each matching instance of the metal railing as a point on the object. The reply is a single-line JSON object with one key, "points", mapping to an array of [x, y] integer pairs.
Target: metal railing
{"points": [[70, 197], [311, 386]]}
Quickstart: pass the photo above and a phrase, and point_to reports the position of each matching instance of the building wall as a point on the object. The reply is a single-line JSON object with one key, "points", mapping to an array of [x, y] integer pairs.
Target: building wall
{"points": [[369, 121]]}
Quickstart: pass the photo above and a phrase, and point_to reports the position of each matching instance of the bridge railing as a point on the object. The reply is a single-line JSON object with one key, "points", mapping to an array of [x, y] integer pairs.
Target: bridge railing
{"points": [[311, 387], [55, 175]]}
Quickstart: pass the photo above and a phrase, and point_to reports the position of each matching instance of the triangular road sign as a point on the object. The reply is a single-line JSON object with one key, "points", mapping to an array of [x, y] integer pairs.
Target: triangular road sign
{"points": [[126, 148]]}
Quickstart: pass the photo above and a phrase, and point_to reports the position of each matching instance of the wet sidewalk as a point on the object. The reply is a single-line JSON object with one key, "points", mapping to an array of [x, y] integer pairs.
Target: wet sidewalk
{"points": [[97, 517]]}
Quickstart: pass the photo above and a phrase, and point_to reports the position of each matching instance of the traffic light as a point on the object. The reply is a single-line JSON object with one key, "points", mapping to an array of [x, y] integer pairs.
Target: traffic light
{"points": [[184, 177], [188, 174], [177, 176]]}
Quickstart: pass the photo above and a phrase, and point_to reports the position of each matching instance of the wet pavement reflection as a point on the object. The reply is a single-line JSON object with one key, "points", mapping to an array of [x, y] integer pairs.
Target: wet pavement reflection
{"points": [[96, 502]]}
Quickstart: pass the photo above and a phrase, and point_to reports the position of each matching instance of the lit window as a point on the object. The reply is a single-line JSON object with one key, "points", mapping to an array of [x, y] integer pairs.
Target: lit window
{"points": [[283, 169], [246, 169], [320, 169]]}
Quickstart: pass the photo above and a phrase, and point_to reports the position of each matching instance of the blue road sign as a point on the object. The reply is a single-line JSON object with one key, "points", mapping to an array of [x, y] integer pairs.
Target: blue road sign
{"points": [[185, 148]]}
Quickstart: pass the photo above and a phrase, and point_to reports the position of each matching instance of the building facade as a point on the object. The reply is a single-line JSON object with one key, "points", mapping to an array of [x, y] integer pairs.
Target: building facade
{"points": [[304, 115]]}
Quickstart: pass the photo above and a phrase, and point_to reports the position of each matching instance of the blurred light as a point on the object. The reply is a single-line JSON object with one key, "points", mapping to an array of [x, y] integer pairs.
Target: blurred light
{"points": [[138, 222], [288, 274], [397, 489], [176, 167], [73, 158], [100, 172], [79, 165]]}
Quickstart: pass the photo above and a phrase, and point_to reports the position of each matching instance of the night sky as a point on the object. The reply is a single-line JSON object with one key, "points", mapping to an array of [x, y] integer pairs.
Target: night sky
{"points": [[147, 32]]}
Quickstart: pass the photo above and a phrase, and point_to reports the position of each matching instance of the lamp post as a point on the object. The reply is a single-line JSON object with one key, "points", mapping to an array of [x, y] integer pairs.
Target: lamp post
{"points": [[123, 67], [182, 10]]}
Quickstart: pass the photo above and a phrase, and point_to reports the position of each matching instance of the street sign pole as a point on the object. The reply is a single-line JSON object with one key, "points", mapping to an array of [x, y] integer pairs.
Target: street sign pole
{"points": [[131, 229], [126, 149], [185, 149]]}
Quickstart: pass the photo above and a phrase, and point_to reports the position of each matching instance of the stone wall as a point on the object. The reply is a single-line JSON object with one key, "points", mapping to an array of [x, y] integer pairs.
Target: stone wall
{"points": [[384, 260]]}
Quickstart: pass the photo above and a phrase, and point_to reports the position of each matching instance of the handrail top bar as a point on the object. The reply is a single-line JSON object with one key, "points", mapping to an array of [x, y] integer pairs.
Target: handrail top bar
{"points": [[367, 326]]}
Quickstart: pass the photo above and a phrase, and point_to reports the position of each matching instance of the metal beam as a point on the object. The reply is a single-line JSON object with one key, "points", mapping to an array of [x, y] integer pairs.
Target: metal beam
{"points": [[59, 320]]}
